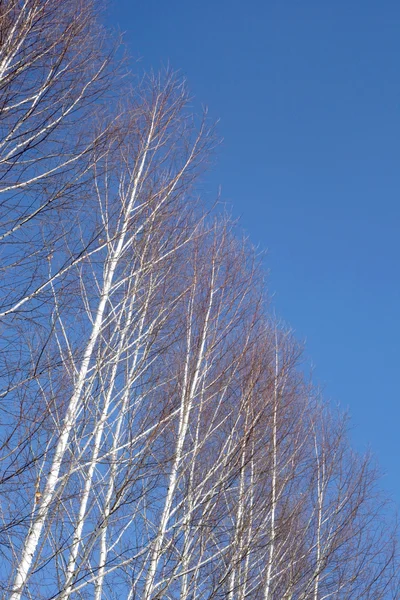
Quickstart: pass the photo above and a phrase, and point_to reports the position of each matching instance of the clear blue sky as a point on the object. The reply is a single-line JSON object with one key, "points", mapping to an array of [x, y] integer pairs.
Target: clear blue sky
{"points": [[308, 93]]}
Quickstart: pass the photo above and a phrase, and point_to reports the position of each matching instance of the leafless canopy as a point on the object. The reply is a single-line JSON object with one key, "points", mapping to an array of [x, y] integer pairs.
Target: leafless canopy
{"points": [[158, 438]]}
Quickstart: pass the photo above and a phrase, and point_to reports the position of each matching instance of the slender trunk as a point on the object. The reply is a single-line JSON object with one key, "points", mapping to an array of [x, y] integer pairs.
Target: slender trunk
{"points": [[249, 532], [77, 538], [114, 466], [320, 499], [185, 410], [267, 590], [237, 547], [33, 536]]}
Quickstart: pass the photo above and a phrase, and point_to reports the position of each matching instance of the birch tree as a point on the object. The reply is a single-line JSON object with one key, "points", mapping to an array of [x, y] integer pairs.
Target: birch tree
{"points": [[56, 66], [159, 438]]}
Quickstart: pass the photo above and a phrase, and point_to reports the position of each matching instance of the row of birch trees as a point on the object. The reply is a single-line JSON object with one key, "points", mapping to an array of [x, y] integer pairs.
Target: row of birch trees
{"points": [[158, 438]]}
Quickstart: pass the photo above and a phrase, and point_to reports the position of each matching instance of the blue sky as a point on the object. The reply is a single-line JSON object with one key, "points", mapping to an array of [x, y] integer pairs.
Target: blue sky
{"points": [[308, 97]]}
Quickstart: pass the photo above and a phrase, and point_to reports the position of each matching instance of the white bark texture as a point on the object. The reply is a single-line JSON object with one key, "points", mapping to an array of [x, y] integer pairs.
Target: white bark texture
{"points": [[158, 436]]}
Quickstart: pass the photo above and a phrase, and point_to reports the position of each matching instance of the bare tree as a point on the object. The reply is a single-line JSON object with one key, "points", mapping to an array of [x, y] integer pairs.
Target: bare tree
{"points": [[56, 65], [159, 438], [55, 68]]}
